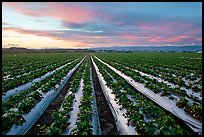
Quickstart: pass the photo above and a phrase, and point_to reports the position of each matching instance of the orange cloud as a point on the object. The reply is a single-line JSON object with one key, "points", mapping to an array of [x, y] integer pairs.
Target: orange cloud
{"points": [[47, 34], [23, 31]]}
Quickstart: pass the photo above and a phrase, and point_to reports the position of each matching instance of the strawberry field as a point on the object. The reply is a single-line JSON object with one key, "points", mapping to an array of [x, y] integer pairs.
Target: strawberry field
{"points": [[140, 93]]}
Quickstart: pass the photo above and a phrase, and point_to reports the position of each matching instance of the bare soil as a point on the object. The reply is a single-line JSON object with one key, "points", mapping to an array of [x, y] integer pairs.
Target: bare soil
{"points": [[106, 118]]}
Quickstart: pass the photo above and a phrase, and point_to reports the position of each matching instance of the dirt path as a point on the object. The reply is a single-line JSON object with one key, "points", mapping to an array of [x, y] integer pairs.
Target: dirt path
{"points": [[46, 117], [107, 123]]}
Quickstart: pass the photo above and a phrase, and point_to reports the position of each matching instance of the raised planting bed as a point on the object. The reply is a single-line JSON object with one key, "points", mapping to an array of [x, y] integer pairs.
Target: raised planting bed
{"points": [[168, 105], [36, 110]]}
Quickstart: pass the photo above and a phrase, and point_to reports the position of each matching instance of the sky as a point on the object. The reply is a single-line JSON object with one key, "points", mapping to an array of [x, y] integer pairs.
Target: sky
{"points": [[100, 24]]}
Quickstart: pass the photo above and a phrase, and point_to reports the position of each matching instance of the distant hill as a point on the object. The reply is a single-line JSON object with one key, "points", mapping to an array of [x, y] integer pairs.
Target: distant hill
{"points": [[14, 50], [150, 48], [115, 48], [25, 50]]}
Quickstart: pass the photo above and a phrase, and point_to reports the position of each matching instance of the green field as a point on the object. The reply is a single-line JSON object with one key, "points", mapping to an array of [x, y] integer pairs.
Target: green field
{"points": [[140, 86]]}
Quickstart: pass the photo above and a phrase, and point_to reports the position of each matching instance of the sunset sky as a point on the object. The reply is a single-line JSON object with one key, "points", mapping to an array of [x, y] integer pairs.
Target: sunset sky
{"points": [[100, 24]]}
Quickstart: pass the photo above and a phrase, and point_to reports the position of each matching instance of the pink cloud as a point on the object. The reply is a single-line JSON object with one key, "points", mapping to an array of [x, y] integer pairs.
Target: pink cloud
{"points": [[70, 13], [129, 36], [156, 39], [199, 39], [169, 39], [20, 7], [168, 27]]}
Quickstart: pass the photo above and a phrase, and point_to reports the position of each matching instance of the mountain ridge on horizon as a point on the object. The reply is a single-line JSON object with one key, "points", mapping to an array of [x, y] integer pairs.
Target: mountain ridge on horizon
{"points": [[150, 48], [120, 48]]}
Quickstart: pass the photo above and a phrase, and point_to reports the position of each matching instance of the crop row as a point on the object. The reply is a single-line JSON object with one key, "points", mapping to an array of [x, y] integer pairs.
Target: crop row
{"points": [[117, 111], [167, 67], [191, 86], [20, 104], [61, 117], [10, 84], [194, 108], [23, 73], [144, 115], [84, 118], [164, 102], [83, 124], [169, 61], [19, 64]]}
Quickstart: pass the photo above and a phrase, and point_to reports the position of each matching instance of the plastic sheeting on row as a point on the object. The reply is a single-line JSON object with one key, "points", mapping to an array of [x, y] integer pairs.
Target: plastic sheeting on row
{"points": [[167, 104], [74, 112], [120, 120], [188, 91], [95, 116], [21, 88], [18, 76], [38, 110]]}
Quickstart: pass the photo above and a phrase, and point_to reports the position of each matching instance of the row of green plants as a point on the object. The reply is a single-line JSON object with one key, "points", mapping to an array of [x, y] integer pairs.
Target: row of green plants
{"points": [[21, 63], [33, 69], [169, 61], [169, 66], [23, 102], [177, 78], [18, 64], [194, 109], [61, 117], [143, 114], [11, 84], [84, 117]]}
